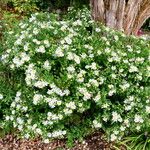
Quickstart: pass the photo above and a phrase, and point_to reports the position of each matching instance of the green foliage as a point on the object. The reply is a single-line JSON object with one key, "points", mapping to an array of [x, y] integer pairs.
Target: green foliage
{"points": [[137, 141], [61, 4], [9, 20], [28, 6], [72, 76], [24, 6]]}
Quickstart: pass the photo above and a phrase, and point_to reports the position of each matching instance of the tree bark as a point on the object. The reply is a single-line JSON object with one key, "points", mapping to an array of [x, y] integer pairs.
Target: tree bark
{"points": [[98, 10], [124, 15]]}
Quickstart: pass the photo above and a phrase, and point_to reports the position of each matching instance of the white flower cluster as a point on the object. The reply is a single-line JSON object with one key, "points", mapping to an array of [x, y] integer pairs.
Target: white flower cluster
{"points": [[96, 124], [74, 57], [21, 59], [57, 90], [86, 95], [37, 98], [138, 119], [30, 74], [40, 84], [55, 134], [129, 103], [70, 70], [116, 117]]}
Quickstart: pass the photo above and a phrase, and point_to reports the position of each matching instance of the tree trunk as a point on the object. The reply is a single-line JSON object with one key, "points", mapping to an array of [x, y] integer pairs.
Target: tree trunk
{"points": [[124, 15]]}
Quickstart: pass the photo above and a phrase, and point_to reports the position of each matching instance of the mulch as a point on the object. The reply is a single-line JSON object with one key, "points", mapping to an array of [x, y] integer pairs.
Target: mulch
{"points": [[93, 142]]}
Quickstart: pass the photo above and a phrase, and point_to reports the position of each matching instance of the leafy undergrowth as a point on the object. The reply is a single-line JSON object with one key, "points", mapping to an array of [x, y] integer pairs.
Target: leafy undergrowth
{"points": [[70, 76], [140, 141]]}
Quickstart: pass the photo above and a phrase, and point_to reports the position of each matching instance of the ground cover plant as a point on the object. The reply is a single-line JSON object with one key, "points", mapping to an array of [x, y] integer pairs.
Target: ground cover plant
{"points": [[74, 76]]}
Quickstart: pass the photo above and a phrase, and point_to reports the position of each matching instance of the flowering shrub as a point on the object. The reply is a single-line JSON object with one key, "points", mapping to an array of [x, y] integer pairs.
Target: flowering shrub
{"points": [[76, 76]]}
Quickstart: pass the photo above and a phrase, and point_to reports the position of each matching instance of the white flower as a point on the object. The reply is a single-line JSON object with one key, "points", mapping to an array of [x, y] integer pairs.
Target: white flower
{"points": [[26, 47], [129, 107], [116, 37], [126, 122], [71, 105], [17, 61], [106, 105], [77, 59], [37, 98], [93, 66], [107, 50], [20, 127], [64, 27], [69, 76], [78, 22], [34, 126], [138, 128], [67, 92], [113, 137], [71, 69], [7, 118], [138, 119], [32, 19], [116, 117], [70, 56], [83, 55], [97, 97], [58, 133], [1, 96], [25, 108], [47, 65], [99, 52], [36, 41], [96, 124], [59, 52], [87, 96], [4, 57], [40, 84], [148, 109], [97, 30], [111, 92], [125, 86], [38, 131], [122, 128], [41, 49], [82, 90], [46, 42], [133, 69], [24, 57], [80, 79], [94, 82], [18, 42], [67, 111], [35, 31], [20, 121], [27, 136], [46, 141], [105, 119], [139, 77], [49, 135], [68, 40]]}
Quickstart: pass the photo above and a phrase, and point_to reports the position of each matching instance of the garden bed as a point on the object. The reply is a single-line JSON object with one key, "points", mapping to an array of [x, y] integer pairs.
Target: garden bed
{"points": [[93, 142]]}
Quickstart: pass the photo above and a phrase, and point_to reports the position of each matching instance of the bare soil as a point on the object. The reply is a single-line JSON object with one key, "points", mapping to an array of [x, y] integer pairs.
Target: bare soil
{"points": [[93, 142]]}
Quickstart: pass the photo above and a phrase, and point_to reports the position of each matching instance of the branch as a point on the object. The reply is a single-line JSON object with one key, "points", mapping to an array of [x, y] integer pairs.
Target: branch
{"points": [[142, 16], [131, 13]]}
